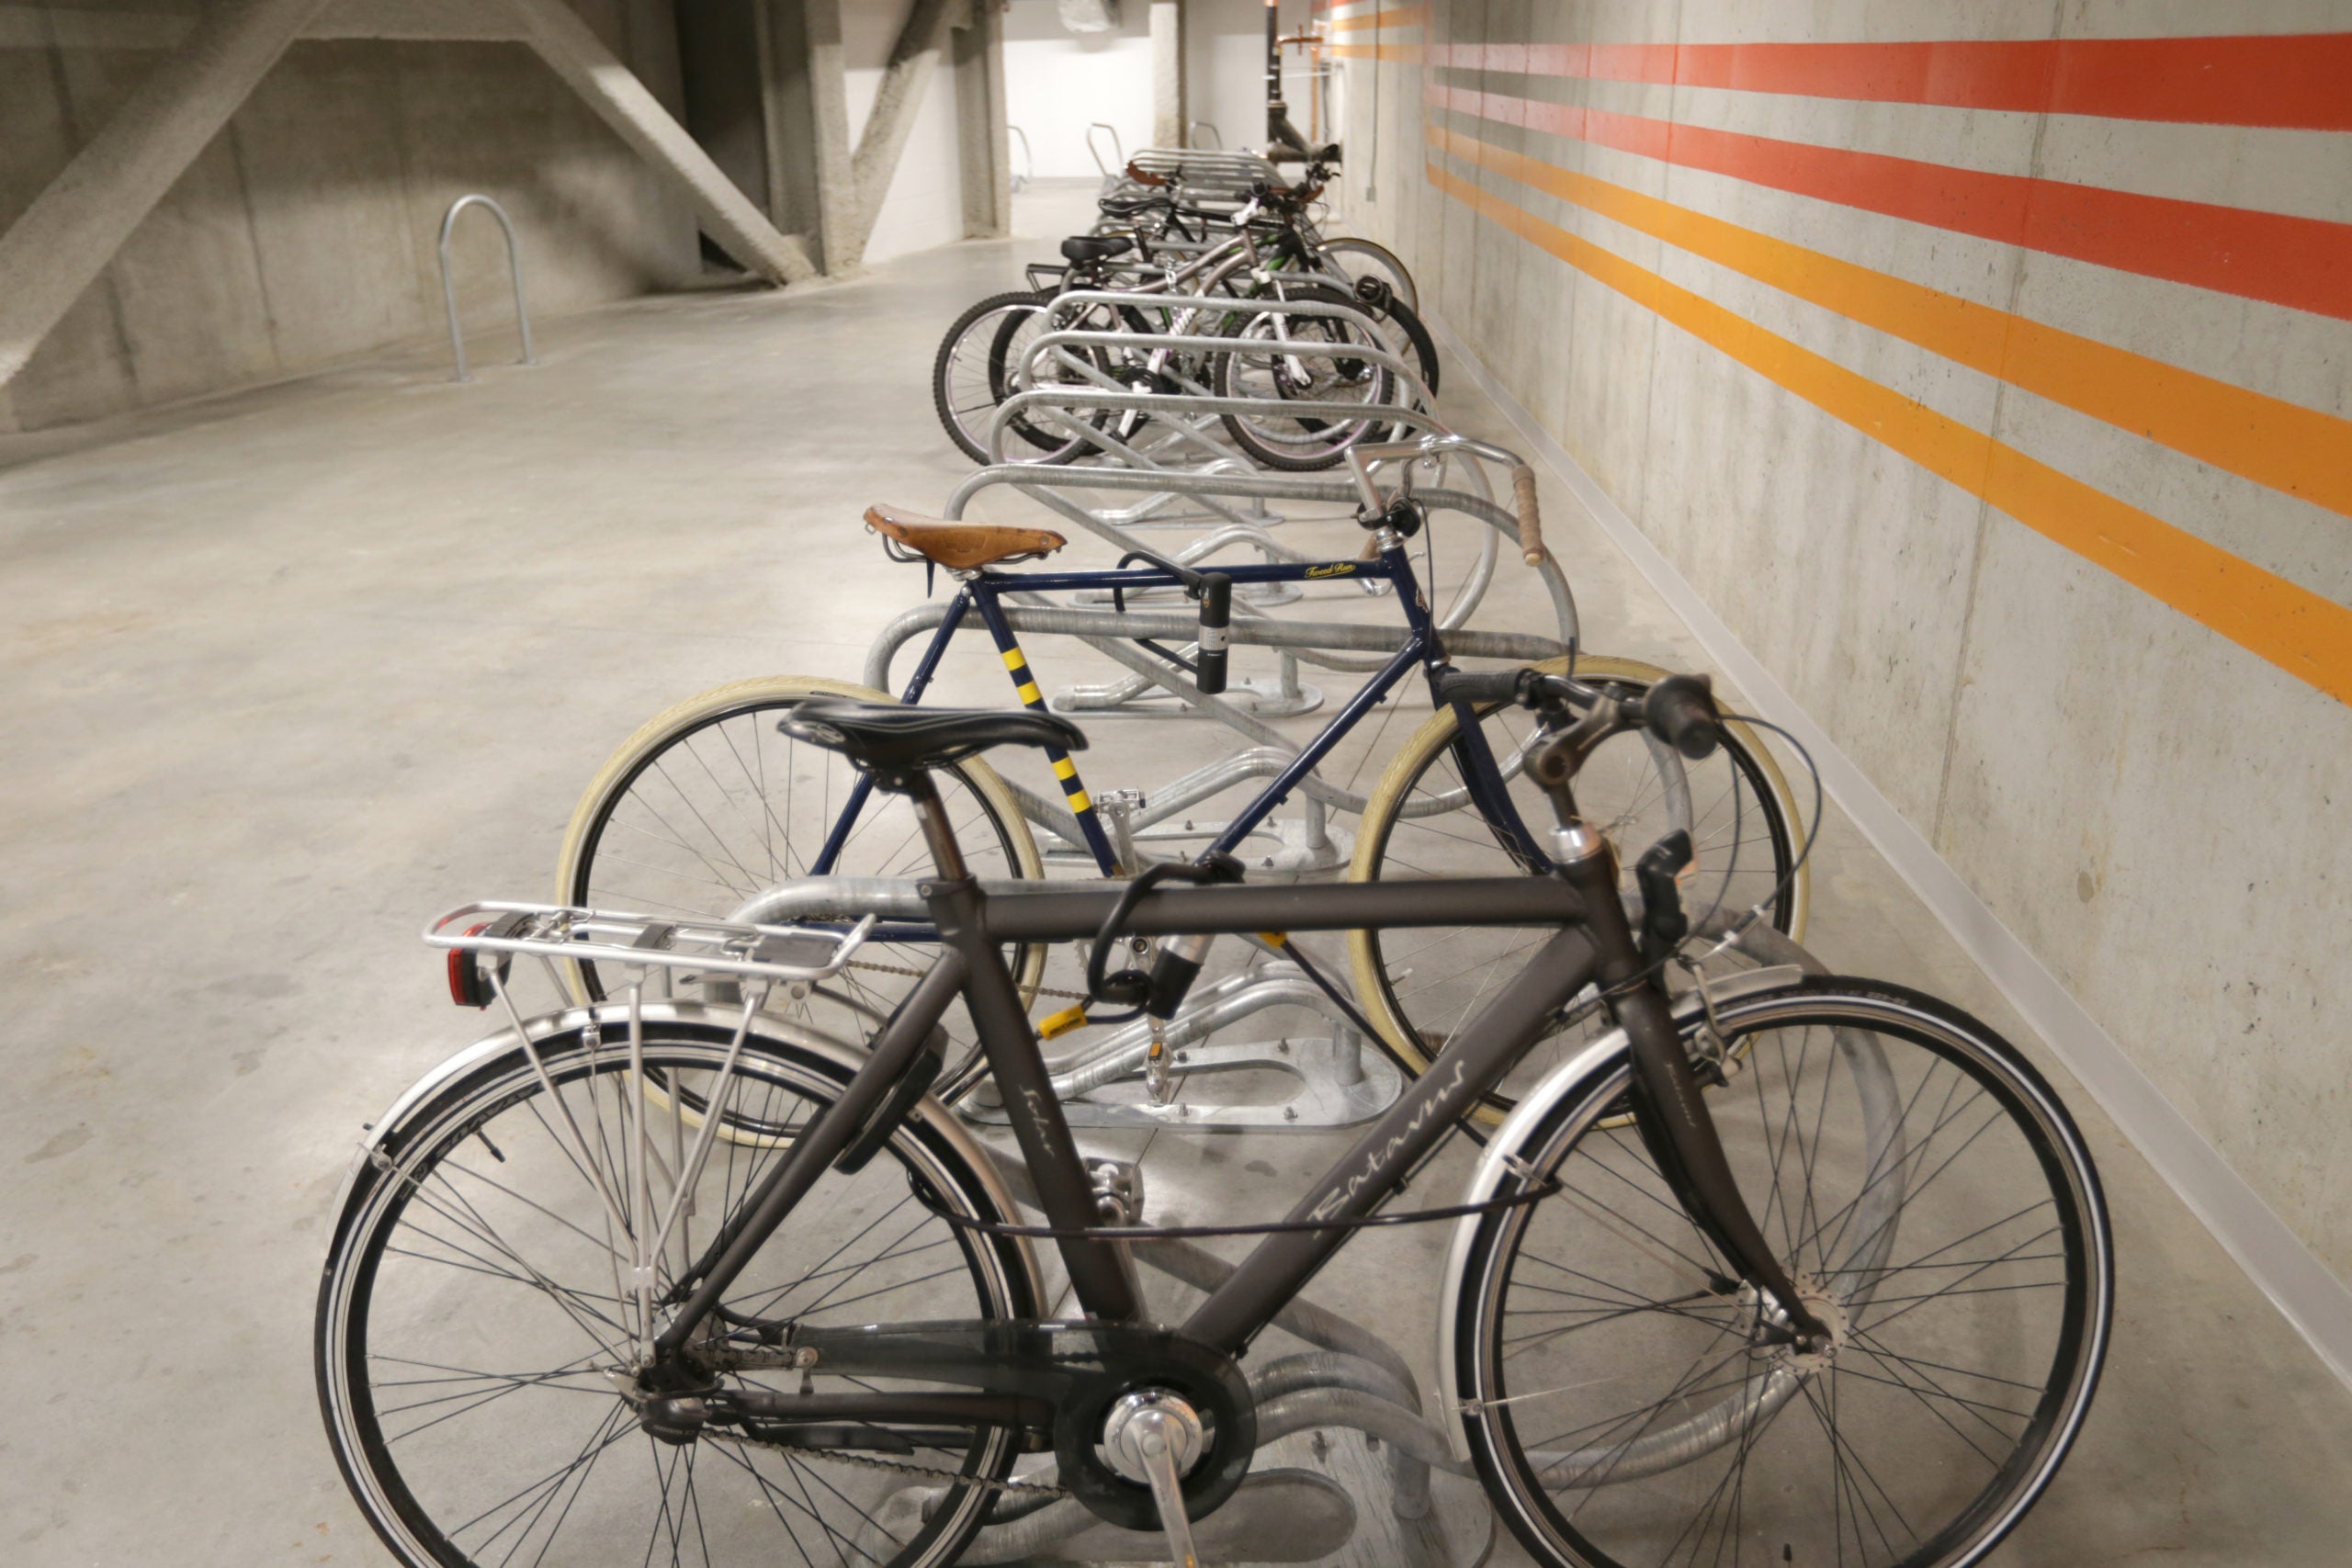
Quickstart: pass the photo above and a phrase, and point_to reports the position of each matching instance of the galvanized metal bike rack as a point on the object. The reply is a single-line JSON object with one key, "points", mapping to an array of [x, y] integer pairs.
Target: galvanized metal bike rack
{"points": [[450, 282]]}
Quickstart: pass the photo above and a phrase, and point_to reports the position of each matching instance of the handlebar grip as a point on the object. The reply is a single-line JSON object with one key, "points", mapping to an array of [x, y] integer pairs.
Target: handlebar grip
{"points": [[1216, 635], [1479, 686], [1681, 710], [1531, 521]]}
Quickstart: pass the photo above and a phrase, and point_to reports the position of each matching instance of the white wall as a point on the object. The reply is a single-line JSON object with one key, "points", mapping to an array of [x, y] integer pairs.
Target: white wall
{"points": [[1057, 82], [1224, 66], [924, 205]]}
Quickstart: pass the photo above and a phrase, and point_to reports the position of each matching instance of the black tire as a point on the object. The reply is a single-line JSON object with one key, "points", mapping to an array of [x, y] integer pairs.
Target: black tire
{"points": [[477, 1325], [1318, 346], [969, 378], [1627, 1402]]}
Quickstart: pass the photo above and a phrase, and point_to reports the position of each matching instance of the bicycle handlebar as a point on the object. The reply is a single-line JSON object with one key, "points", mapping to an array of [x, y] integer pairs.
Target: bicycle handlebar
{"points": [[1680, 710]]}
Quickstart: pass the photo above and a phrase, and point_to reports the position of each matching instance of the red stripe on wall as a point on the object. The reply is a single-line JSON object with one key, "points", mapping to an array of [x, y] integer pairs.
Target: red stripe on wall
{"points": [[2304, 264], [2297, 82]]}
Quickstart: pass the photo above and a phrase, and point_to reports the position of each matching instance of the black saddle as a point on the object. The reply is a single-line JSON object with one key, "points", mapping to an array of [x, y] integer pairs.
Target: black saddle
{"points": [[1080, 249], [896, 743]]}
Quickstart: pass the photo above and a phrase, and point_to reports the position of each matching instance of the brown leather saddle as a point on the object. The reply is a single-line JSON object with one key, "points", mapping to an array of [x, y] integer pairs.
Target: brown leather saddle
{"points": [[958, 546]]}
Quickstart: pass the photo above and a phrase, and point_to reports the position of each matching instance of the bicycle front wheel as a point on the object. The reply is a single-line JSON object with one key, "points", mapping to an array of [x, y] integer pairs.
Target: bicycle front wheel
{"points": [[1421, 985], [1628, 1402], [480, 1325]]}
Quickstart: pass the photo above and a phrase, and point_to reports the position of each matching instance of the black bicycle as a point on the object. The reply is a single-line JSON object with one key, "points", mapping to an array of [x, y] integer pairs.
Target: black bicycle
{"points": [[1784, 1270]]}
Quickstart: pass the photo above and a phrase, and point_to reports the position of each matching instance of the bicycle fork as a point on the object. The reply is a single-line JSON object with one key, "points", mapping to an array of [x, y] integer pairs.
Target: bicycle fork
{"points": [[1668, 1109]]}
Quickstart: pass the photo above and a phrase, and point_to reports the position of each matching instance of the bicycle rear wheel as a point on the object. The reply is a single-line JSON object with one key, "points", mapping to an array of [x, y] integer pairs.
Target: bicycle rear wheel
{"points": [[480, 1328], [1628, 1403]]}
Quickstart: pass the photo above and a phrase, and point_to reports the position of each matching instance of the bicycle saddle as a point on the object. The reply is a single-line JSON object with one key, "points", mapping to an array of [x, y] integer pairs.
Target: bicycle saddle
{"points": [[1083, 248], [960, 547], [893, 742]]}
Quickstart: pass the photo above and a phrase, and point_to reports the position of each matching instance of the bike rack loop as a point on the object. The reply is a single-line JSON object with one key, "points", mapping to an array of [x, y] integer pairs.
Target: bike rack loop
{"points": [[450, 282]]}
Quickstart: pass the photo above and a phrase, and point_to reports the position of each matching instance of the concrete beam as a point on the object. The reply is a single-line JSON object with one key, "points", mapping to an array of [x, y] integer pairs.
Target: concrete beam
{"points": [[60, 243], [904, 79], [574, 52], [1167, 74], [983, 145]]}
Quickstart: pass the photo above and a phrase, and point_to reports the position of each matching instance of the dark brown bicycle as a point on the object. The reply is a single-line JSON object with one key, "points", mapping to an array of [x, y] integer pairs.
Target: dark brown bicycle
{"points": [[1784, 1269]]}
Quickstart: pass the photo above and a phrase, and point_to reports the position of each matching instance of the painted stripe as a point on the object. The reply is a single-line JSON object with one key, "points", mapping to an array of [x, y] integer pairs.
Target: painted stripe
{"points": [[1012, 660], [2301, 633], [2297, 1282], [1403, 16], [1065, 769], [2290, 448], [1395, 54], [2295, 81], [1078, 801], [1028, 693], [2304, 264]]}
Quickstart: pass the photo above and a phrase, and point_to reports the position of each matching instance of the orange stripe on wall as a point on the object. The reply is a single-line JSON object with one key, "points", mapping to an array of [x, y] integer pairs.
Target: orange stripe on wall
{"points": [[2304, 264], [2290, 448], [1397, 53], [1407, 16], [2289, 625], [2297, 82]]}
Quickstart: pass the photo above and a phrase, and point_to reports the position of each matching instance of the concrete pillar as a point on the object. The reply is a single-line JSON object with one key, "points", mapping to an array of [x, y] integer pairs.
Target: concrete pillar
{"points": [[1167, 74], [810, 188], [980, 136], [57, 248]]}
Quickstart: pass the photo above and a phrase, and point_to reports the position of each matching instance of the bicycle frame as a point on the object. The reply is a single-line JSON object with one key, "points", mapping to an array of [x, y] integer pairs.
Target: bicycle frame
{"points": [[1594, 943], [983, 592]]}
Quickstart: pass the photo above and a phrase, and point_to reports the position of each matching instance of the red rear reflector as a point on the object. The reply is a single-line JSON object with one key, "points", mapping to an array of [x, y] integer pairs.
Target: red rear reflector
{"points": [[466, 987]]}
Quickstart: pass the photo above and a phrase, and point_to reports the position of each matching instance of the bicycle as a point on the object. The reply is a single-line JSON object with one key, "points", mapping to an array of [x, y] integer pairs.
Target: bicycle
{"points": [[982, 359], [704, 808], [1850, 1306]]}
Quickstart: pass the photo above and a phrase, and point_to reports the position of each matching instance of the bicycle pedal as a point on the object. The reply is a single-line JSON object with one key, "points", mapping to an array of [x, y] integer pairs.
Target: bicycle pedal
{"points": [[1154, 1437]]}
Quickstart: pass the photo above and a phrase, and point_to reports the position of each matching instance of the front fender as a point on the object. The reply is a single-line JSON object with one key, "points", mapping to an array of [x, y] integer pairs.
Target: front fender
{"points": [[1566, 1082]]}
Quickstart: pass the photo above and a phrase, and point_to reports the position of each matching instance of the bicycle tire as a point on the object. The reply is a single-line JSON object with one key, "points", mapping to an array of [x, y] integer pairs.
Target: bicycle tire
{"points": [[1415, 1029], [1956, 1377], [468, 1270], [995, 834], [1385, 264], [1313, 449], [968, 378]]}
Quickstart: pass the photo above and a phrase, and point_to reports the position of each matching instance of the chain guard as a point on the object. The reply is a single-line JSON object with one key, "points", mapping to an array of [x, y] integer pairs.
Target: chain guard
{"points": [[1080, 1369]]}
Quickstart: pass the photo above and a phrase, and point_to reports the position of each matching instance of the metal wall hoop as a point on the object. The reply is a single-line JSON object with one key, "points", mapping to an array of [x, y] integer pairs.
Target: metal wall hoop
{"points": [[449, 283]]}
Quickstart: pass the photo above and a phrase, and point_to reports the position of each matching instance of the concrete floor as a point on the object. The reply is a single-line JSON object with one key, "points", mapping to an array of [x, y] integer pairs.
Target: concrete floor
{"points": [[290, 672]]}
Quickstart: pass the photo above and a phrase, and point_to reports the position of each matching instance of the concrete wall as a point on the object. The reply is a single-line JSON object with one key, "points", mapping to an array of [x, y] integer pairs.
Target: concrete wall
{"points": [[305, 232], [1057, 83], [1997, 400]]}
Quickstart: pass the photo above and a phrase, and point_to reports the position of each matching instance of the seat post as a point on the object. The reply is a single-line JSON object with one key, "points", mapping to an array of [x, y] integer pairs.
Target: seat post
{"points": [[931, 812]]}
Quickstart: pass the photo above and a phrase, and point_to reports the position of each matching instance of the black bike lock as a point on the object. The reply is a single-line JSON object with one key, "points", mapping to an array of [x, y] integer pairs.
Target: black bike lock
{"points": [[1216, 635]]}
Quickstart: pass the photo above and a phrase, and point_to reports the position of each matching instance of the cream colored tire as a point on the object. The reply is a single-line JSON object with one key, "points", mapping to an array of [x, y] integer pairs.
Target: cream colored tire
{"points": [[666, 729]]}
